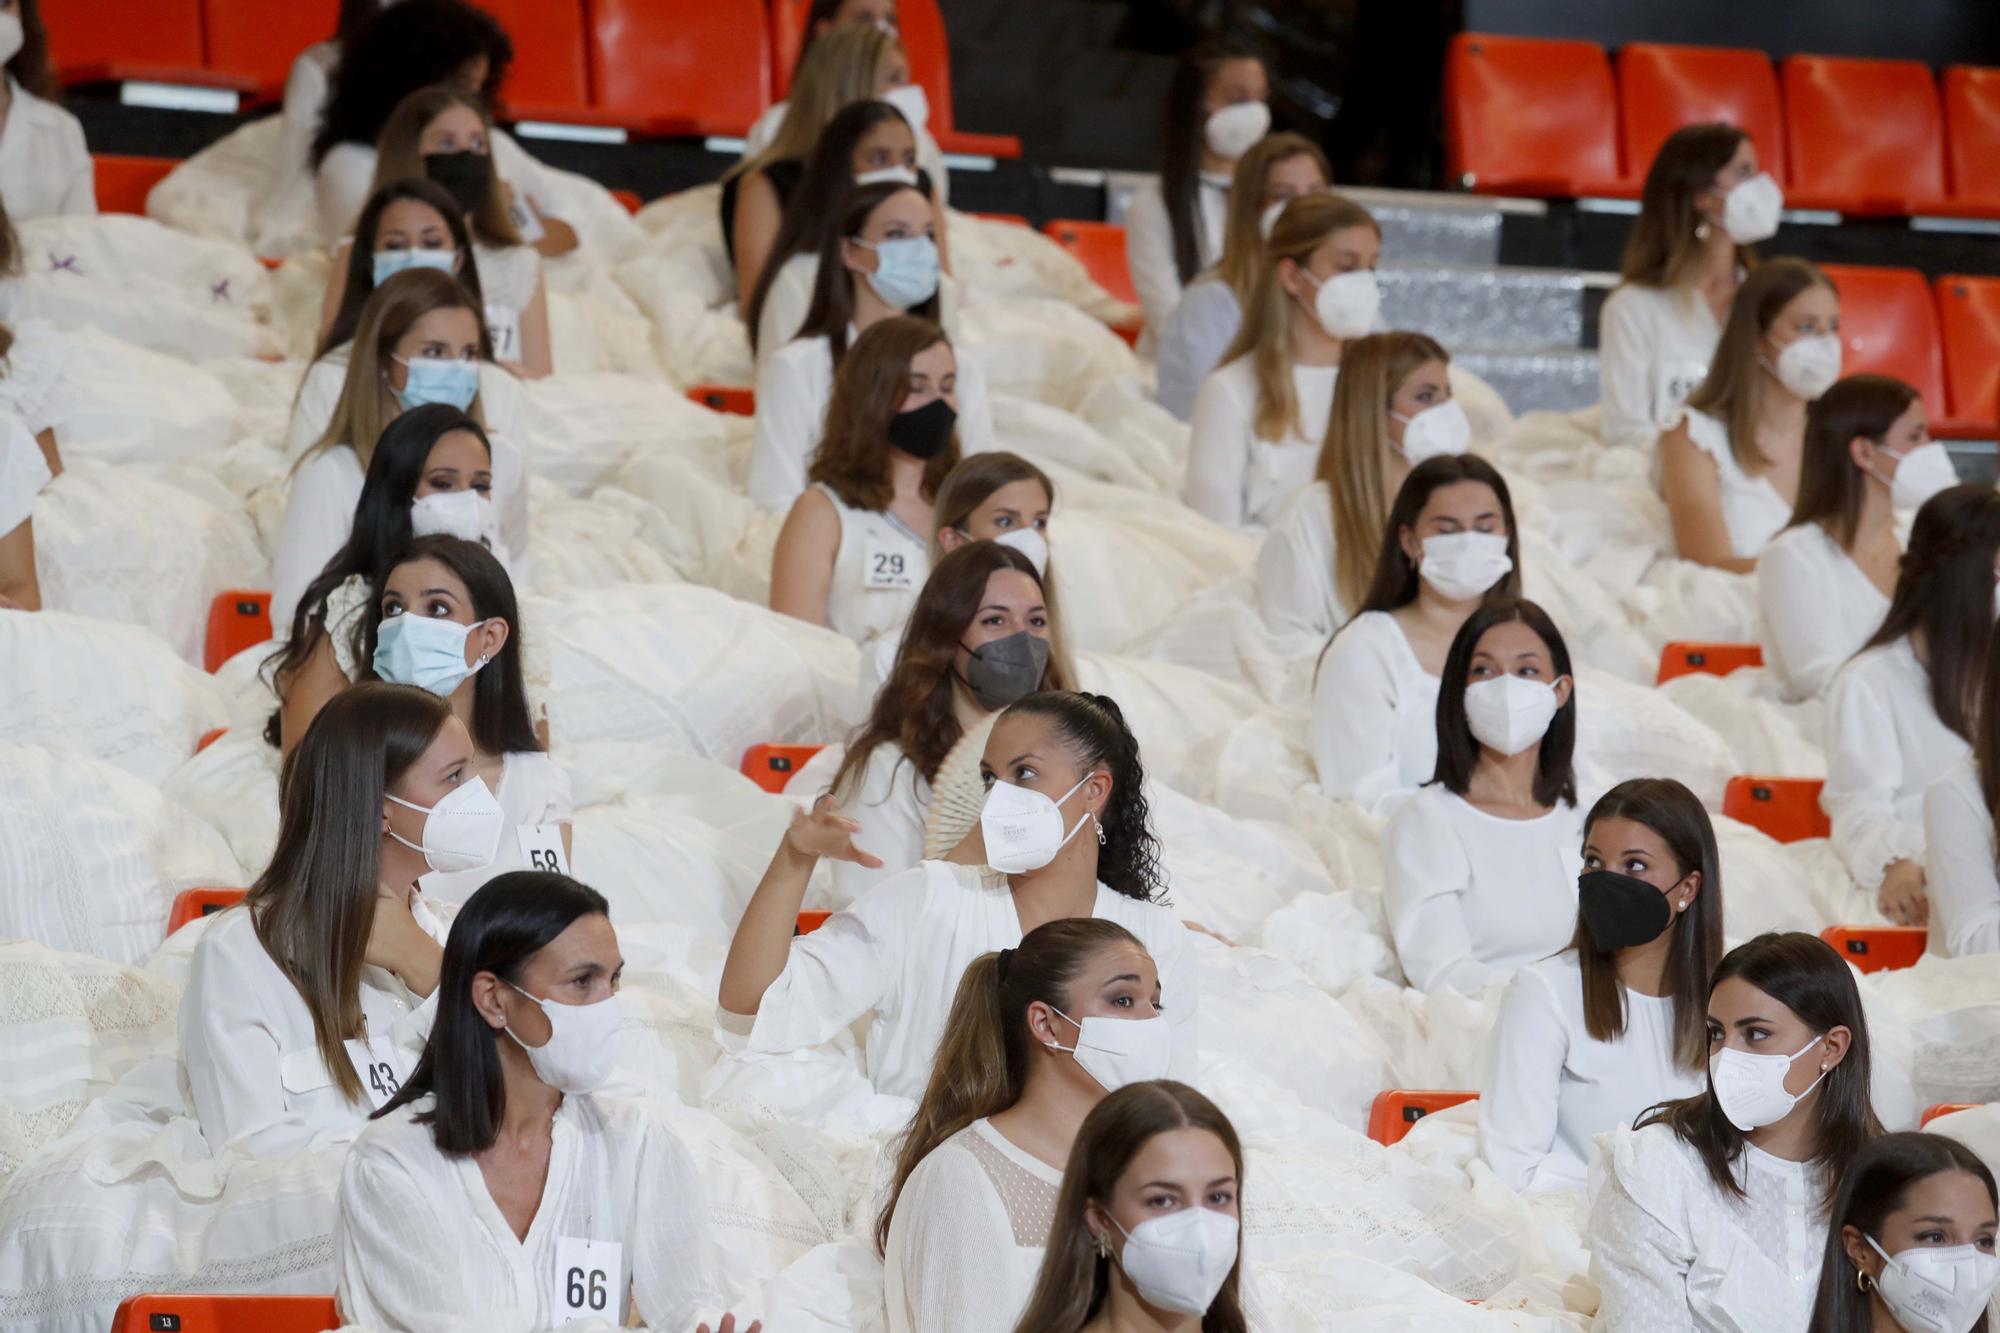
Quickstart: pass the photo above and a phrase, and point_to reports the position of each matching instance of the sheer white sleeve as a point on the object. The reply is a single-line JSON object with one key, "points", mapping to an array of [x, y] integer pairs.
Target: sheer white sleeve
{"points": [[1959, 870], [840, 971], [1518, 1105], [949, 1230], [1353, 728], [389, 1225], [1625, 356], [1640, 1264], [1864, 770], [674, 1268]]}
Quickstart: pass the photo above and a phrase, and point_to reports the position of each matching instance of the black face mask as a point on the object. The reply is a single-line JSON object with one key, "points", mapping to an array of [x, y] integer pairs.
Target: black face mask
{"points": [[1006, 669], [925, 432], [1620, 911], [467, 176]]}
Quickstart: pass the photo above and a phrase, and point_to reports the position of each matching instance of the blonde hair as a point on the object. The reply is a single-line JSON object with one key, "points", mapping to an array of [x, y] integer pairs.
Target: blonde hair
{"points": [[1357, 436], [1242, 230], [396, 155], [842, 66], [1266, 336], [1734, 388], [975, 478]]}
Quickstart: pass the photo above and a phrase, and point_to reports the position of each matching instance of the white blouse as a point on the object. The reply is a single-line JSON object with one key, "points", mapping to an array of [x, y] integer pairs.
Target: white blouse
{"points": [[533, 791], [1752, 509], [508, 275], [1190, 347], [966, 1242], [249, 1057], [501, 402], [23, 473], [1234, 476], [1471, 896], [1654, 348], [419, 1244], [888, 798], [1673, 1254], [1959, 864], [1817, 608], [1296, 592], [1149, 243], [878, 571], [1552, 1088], [898, 954], [1374, 715], [44, 163], [1884, 747]]}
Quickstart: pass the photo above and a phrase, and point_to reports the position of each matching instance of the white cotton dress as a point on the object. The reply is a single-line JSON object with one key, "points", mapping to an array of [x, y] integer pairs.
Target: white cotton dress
{"points": [[1885, 745], [420, 1245], [1149, 243], [1960, 877], [898, 953], [44, 163], [1234, 476], [1374, 716], [1817, 608], [1552, 1088], [1654, 346], [1470, 896], [1296, 593], [966, 1242], [1672, 1254], [1190, 347], [878, 571], [1752, 509]]}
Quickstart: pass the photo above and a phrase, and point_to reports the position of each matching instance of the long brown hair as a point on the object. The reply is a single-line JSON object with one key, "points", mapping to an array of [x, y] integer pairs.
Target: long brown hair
{"points": [[397, 156], [852, 459], [1676, 814], [975, 478], [30, 65], [1830, 484], [1665, 247], [1075, 1282], [836, 70], [982, 1060], [1372, 369], [1266, 336], [315, 903], [913, 709], [10, 265], [1735, 386], [1243, 227], [1944, 588]]}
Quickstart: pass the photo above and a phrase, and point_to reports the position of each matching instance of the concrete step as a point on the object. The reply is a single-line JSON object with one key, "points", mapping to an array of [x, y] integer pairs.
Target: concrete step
{"points": [[1480, 306], [1553, 379]]}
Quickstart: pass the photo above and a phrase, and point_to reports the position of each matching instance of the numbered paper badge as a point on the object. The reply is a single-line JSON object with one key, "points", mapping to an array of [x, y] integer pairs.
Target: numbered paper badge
{"points": [[589, 1280], [542, 847], [382, 1066], [503, 325], [889, 563]]}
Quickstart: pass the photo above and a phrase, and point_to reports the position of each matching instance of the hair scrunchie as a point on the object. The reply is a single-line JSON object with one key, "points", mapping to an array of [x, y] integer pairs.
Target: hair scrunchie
{"points": [[1000, 966]]}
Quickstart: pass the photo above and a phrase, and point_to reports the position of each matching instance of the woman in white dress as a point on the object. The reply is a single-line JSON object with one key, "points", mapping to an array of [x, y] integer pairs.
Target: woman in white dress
{"points": [[1479, 868], [1038, 1035], [1909, 1245], [307, 84], [44, 163], [1617, 1022], [1065, 832], [23, 474], [1449, 545], [1217, 107], [855, 548], [1258, 420], [409, 223], [1319, 557], [305, 1006], [1900, 715], [1147, 1233], [1823, 584], [1706, 202], [499, 1188], [1280, 168], [1710, 1216], [879, 262], [1729, 468], [1961, 856]]}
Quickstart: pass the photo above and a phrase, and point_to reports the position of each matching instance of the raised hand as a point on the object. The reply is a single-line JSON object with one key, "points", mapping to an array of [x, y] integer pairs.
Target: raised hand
{"points": [[826, 832]]}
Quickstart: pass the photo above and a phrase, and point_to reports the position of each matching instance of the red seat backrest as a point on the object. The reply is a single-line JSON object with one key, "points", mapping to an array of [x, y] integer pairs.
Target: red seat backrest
{"points": [[929, 54], [237, 619], [1878, 948], [1972, 131], [1100, 247], [1661, 88], [1969, 318], [1889, 326], [124, 182], [1688, 658], [1948, 1108], [1394, 1111], [1864, 135], [258, 40], [193, 904], [1526, 115], [155, 33], [1784, 809], [788, 38], [772, 766], [226, 1314], [682, 66], [551, 70]]}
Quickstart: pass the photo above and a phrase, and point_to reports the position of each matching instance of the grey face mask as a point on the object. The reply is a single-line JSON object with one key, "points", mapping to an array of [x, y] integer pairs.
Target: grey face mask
{"points": [[1006, 669]]}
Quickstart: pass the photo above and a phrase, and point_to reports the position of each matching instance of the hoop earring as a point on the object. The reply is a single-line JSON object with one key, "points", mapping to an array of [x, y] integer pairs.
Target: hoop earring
{"points": [[1862, 1282], [1702, 230], [1103, 1247], [1100, 830]]}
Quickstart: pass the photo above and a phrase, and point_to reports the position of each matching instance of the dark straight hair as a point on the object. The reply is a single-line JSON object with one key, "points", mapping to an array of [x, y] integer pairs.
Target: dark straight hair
{"points": [[410, 45], [1830, 484], [355, 16], [1092, 730], [1876, 1185], [500, 928], [832, 308], [1458, 751], [30, 65], [360, 280], [1676, 814], [1181, 144], [1945, 590], [1396, 577], [1803, 973]]}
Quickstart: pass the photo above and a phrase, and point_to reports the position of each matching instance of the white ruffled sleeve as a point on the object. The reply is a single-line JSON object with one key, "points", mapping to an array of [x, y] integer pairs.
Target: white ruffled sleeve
{"points": [[1220, 438], [841, 971], [675, 1280], [1639, 1261], [1353, 728], [1864, 771], [1518, 1107], [1805, 643], [945, 1243], [1959, 871], [1425, 876], [390, 1224]]}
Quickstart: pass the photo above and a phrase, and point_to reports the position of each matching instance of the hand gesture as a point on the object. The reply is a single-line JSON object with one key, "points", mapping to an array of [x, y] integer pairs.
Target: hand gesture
{"points": [[1902, 897], [396, 943], [827, 832], [728, 1325]]}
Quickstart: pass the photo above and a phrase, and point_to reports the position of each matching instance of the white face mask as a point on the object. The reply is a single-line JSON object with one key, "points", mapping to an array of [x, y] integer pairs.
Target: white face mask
{"points": [[1509, 713], [1023, 828], [1118, 1052], [1346, 304], [582, 1047], [1180, 1261], [1810, 365], [900, 175], [913, 102], [1937, 1289], [1232, 131], [1750, 210], [464, 514], [11, 37], [1463, 565], [1920, 474], [1029, 542], [1436, 432], [1750, 1089], [461, 832]]}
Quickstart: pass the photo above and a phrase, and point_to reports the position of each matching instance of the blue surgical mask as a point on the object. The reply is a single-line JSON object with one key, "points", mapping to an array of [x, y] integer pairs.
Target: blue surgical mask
{"points": [[427, 653], [434, 380], [906, 270], [388, 263]]}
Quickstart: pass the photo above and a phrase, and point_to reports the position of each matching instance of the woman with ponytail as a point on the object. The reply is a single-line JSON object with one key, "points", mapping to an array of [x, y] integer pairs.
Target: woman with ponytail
{"points": [[1037, 1037]]}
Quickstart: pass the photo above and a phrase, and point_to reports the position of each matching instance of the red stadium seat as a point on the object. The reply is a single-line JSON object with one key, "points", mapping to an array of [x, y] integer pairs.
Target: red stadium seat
{"points": [[237, 619], [1714, 659], [1785, 809], [1878, 948], [192, 903], [1969, 318], [1948, 1108], [629, 200], [121, 41], [788, 38], [226, 1314], [809, 922], [209, 738], [772, 766], [681, 67], [929, 53], [1011, 219], [1661, 88], [1889, 326], [550, 76], [1100, 246], [124, 182], [1865, 136], [1394, 1111], [1972, 135], [737, 399], [1530, 116], [257, 41]]}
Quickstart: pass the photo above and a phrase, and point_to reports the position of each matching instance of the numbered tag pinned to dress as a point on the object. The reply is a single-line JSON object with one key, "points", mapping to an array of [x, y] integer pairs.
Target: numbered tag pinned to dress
{"points": [[541, 847], [589, 1280], [503, 325], [889, 563], [382, 1066]]}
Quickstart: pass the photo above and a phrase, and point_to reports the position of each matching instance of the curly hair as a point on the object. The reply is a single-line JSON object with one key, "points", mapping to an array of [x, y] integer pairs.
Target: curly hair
{"points": [[1091, 727], [412, 45]]}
